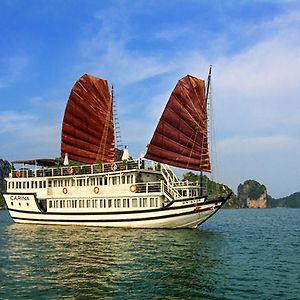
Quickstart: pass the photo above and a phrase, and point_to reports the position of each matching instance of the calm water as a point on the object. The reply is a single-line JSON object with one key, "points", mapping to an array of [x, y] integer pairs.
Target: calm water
{"points": [[237, 254]]}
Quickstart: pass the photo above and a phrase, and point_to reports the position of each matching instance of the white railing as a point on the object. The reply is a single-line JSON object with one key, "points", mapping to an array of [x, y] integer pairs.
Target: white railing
{"points": [[138, 164]]}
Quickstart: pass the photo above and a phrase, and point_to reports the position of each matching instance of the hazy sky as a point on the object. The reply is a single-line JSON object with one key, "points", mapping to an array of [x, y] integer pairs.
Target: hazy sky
{"points": [[143, 48]]}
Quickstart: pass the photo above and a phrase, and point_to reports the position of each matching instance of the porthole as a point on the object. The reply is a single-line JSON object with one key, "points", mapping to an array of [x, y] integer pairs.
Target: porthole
{"points": [[20, 203], [27, 204], [12, 204]]}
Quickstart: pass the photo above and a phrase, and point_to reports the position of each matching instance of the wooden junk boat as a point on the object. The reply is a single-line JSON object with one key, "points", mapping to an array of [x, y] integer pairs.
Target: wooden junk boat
{"points": [[98, 187]]}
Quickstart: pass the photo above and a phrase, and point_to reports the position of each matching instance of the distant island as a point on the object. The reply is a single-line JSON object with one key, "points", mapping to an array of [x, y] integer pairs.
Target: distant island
{"points": [[250, 194]]}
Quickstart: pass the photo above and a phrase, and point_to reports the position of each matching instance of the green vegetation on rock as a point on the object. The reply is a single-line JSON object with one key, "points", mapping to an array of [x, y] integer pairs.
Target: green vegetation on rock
{"points": [[212, 188], [292, 201], [4, 171]]}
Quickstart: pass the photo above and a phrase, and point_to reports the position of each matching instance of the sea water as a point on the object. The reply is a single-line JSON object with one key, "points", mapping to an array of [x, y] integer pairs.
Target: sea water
{"points": [[237, 254]]}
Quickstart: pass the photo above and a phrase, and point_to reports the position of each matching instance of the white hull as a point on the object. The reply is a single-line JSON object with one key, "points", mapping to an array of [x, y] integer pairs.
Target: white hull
{"points": [[179, 214]]}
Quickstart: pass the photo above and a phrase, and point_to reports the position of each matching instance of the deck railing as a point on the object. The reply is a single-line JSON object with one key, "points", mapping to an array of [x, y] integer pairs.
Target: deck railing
{"points": [[84, 169]]}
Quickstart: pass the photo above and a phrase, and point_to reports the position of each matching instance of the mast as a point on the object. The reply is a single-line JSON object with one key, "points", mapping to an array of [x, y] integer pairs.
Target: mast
{"points": [[206, 103], [118, 138]]}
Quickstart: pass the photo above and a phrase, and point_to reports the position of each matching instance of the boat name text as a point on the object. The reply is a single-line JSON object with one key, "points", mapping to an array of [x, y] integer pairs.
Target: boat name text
{"points": [[19, 197]]}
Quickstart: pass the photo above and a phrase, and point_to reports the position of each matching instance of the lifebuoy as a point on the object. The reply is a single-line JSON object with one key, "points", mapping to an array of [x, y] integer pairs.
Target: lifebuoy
{"points": [[71, 171], [133, 188], [197, 208], [114, 167], [65, 191], [18, 173], [96, 190]]}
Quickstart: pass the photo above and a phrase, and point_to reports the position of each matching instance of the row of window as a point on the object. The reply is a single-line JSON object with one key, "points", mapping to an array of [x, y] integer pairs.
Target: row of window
{"points": [[27, 184], [128, 179], [112, 180], [104, 203]]}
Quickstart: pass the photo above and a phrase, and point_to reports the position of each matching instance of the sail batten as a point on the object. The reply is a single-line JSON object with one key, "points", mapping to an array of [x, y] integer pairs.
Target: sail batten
{"points": [[88, 130], [180, 138]]}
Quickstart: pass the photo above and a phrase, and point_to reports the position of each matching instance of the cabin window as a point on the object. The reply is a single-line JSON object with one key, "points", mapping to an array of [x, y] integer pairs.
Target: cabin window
{"points": [[134, 202], [118, 203], [49, 183], [9, 185], [87, 181], [80, 204], [96, 203], [145, 204], [192, 193], [27, 184], [60, 203], [102, 203], [68, 203], [105, 180], [88, 203], [114, 180], [64, 203], [50, 204], [44, 184], [24, 185], [40, 184], [123, 180], [152, 203], [184, 193], [109, 203]]}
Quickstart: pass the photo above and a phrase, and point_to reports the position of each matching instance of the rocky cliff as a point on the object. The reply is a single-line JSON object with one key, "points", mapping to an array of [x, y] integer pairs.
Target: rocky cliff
{"points": [[252, 194], [4, 171]]}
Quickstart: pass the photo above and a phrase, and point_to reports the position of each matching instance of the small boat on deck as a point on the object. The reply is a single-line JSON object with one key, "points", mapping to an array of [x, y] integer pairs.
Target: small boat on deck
{"points": [[99, 185]]}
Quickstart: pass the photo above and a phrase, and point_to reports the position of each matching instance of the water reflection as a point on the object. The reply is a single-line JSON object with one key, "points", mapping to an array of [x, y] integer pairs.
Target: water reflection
{"points": [[80, 262]]}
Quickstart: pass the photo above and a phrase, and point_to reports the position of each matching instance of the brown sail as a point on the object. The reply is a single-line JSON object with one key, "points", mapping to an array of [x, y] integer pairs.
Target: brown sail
{"points": [[88, 129], [180, 138]]}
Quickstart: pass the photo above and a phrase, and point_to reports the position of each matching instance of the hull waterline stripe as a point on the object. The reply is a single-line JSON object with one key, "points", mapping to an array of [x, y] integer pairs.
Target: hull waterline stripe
{"points": [[117, 220]]}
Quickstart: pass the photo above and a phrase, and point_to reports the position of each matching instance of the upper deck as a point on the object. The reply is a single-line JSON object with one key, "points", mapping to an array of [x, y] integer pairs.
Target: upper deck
{"points": [[130, 165]]}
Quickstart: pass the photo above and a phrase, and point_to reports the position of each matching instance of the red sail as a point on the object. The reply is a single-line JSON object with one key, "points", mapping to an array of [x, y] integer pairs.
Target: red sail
{"points": [[180, 138], [88, 129]]}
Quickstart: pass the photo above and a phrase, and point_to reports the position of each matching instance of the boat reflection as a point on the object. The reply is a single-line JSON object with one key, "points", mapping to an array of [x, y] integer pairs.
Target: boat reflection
{"points": [[87, 262]]}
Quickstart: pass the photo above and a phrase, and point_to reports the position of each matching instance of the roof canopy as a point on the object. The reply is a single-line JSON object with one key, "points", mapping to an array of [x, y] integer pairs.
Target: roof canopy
{"points": [[45, 162]]}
